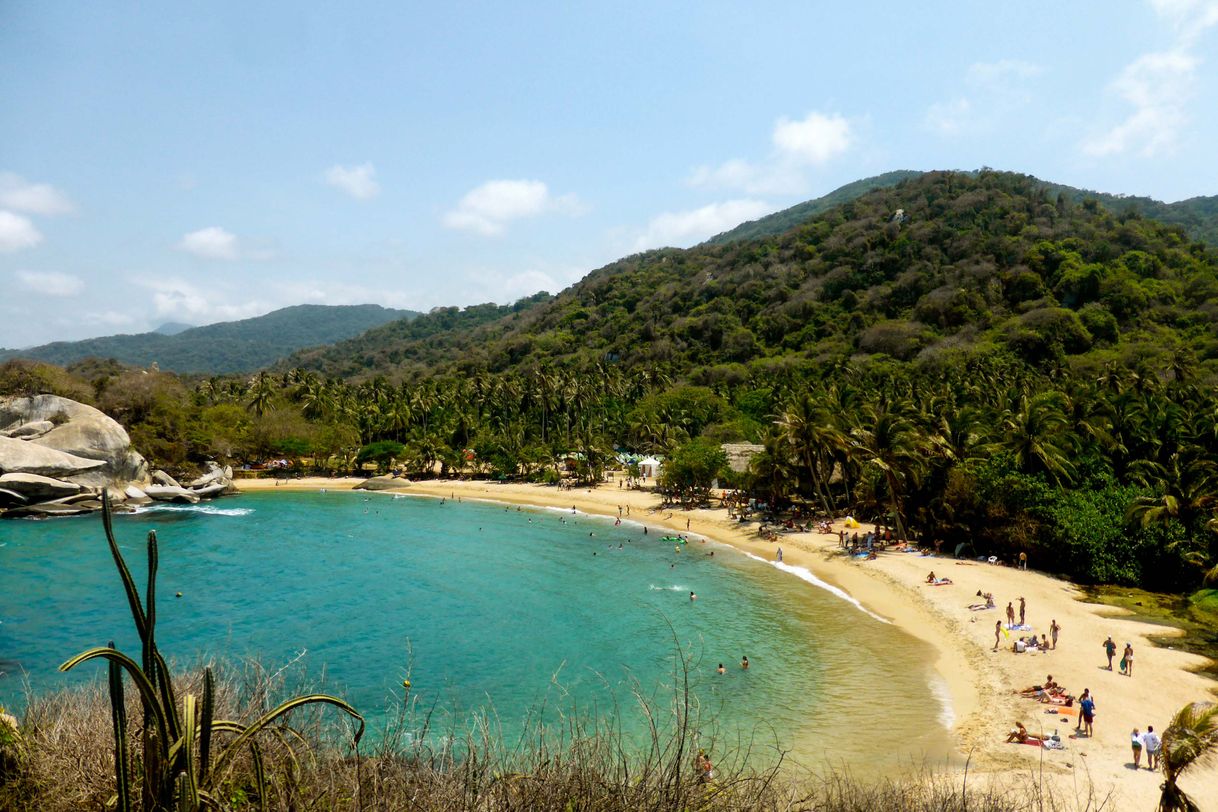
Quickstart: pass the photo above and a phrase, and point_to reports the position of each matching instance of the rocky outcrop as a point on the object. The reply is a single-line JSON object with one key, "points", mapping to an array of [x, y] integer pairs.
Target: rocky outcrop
{"points": [[37, 488], [382, 483], [59, 457], [27, 457], [78, 430]]}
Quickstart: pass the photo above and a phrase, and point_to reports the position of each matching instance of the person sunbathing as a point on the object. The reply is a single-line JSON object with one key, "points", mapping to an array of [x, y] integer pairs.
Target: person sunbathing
{"points": [[1020, 734]]}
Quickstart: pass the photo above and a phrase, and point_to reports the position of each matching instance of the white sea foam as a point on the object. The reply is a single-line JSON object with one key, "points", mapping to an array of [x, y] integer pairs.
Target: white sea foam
{"points": [[947, 714], [673, 588], [804, 574], [209, 510]]}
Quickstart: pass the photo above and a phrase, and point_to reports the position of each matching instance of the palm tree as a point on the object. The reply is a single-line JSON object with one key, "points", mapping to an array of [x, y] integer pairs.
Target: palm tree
{"points": [[810, 431], [893, 446], [1191, 736], [1037, 436]]}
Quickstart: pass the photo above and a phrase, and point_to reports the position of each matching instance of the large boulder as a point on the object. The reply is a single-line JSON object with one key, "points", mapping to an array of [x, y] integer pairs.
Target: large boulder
{"points": [[382, 483], [215, 474], [28, 457], [80, 431], [159, 477], [36, 488], [169, 493]]}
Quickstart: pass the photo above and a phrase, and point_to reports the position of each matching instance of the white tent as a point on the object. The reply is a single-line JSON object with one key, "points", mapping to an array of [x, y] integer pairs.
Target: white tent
{"points": [[650, 467]]}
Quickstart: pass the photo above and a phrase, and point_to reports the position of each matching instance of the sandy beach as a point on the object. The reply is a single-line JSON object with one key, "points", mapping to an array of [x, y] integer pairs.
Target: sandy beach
{"points": [[982, 682]]}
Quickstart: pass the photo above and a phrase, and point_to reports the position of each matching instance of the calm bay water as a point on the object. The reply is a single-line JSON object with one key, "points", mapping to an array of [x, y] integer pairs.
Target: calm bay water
{"points": [[486, 606]]}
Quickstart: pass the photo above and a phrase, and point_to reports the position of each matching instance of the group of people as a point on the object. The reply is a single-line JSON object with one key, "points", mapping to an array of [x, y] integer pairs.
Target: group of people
{"points": [[744, 661]]}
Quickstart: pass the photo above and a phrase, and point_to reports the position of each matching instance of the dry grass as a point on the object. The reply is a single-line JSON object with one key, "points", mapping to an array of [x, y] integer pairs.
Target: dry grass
{"points": [[578, 764]]}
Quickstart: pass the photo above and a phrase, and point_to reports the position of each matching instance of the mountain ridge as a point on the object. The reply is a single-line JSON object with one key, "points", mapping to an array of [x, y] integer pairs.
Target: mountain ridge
{"points": [[237, 346]]}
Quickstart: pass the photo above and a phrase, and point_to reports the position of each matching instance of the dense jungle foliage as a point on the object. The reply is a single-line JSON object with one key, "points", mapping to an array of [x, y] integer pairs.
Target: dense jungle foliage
{"points": [[228, 347], [999, 368]]}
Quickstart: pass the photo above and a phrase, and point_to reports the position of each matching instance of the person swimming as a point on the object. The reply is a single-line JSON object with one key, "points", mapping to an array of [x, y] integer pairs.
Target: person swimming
{"points": [[692, 596], [721, 669], [744, 663]]}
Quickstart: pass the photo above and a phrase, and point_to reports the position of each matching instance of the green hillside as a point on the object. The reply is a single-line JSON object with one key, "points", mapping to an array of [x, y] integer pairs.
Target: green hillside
{"points": [[981, 264], [227, 347], [1198, 216], [787, 219]]}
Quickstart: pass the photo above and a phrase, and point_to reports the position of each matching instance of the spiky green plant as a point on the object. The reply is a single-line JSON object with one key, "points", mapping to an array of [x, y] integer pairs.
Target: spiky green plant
{"points": [[177, 765], [1192, 735]]}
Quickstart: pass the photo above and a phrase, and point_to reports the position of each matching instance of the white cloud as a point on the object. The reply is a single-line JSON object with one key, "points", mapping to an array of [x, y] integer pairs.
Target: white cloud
{"points": [[212, 242], [184, 300], [108, 318], [1158, 85], [815, 139], [33, 198], [996, 91], [487, 209], [948, 118], [50, 283], [17, 232], [684, 228], [357, 181], [797, 145]]}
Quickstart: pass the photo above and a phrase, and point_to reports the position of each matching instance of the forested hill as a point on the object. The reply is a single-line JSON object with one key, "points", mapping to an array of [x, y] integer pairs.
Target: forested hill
{"points": [[978, 264], [226, 347], [1198, 216], [784, 220]]}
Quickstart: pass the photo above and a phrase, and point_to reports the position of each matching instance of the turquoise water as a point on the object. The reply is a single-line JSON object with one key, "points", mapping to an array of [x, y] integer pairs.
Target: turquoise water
{"points": [[488, 608]]}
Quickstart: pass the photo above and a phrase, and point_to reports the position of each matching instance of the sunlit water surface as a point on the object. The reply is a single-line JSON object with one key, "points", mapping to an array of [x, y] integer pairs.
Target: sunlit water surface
{"points": [[488, 608]]}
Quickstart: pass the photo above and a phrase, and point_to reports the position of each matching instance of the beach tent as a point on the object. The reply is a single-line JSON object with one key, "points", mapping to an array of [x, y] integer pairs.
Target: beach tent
{"points": [[852, 522], [650, 467]]}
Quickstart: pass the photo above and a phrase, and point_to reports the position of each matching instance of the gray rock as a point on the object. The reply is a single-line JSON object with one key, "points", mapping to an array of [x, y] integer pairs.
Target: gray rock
{"points": [[80, 431], [211, 477], [29, 430], [382, 483], [159, 477], [170, 493], [20, 456], [41, 511], [208, 491], [8, 497], [228, 472], [135, 494]]}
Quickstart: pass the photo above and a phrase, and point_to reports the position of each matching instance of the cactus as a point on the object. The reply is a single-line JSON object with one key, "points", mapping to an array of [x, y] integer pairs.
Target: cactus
{"points": [[178, 742]]}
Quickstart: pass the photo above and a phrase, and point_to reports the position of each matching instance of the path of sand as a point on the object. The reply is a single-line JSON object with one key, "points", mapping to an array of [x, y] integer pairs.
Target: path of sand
{"points": [[980, 680]]}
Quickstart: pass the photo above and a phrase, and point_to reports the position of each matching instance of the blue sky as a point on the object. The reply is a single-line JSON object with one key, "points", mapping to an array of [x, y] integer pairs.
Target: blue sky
{"points": [[204, 162]]}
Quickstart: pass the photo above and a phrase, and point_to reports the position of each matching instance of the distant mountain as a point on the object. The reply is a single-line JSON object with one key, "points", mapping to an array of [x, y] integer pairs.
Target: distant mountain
{"points": [[784, 220], [172, 328], [1198, 216], [227, 347]]}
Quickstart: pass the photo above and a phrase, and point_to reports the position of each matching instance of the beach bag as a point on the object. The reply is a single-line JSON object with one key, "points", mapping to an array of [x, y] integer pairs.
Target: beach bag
{"points": [[1122, 665]]}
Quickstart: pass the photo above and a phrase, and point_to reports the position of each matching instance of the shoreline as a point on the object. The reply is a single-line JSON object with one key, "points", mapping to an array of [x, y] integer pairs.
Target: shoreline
{"points": [[979, 683]]}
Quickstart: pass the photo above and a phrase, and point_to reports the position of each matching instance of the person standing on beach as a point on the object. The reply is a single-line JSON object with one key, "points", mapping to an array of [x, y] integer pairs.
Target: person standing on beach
{"points": [[1023, 561], [780, 554], [1135, 741], [1053, 630], [1086, 695], [1110, 650], [1086, 707], [997, 633], [1127, 661], [1010, 614], [1153, 745], [1023, 608]]}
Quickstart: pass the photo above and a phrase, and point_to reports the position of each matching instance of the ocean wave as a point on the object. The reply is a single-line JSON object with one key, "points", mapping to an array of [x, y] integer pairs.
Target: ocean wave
{"points": [[804, 574], [207, 510], [947, 713], [673, 588]]}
